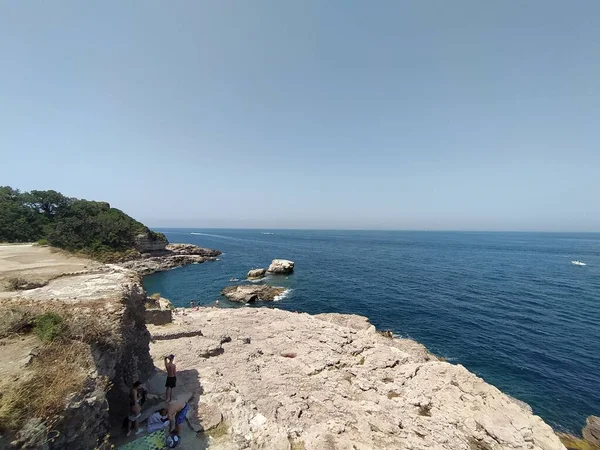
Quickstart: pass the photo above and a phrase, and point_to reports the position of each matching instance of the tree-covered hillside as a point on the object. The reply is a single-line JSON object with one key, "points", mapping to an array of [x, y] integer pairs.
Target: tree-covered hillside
{"points": [[69, 223]]}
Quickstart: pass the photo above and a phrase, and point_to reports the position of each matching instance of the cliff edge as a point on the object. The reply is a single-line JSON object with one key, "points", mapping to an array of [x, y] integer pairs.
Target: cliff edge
{"points": [[283, 380]]}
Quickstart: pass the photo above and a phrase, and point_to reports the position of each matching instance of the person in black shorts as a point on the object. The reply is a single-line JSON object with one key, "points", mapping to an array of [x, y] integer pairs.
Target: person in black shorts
{"points": [[171, 377]]}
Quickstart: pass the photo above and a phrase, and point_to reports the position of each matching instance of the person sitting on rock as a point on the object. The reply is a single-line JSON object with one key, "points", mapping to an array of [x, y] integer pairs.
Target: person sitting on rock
{"points": [[177, 412], [135, 408], [171, 377], [158, 421]]}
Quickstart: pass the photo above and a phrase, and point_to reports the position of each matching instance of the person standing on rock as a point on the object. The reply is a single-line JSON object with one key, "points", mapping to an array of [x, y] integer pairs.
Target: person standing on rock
{"points": [[171, 377]]}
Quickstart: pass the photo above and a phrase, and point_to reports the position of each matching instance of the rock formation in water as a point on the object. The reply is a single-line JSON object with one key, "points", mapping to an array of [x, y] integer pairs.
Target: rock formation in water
{"points": [[173, 255], [591, 436], [249, 293], [256, 274], [591, 432], [281, 266]]}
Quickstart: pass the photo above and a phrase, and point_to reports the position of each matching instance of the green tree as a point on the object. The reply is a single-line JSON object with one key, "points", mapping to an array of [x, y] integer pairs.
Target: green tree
{"points": [[18, 223], [72, 224], [48, 203]]}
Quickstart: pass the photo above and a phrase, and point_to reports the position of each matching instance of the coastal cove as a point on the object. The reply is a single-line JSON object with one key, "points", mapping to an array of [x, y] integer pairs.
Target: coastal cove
{"points": [[508, 306]]}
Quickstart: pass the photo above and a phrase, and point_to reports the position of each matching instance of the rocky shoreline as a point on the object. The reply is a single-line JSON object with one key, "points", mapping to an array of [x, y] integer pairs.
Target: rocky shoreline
{"points": [[169, 257], [283, 380], [268, 378]]}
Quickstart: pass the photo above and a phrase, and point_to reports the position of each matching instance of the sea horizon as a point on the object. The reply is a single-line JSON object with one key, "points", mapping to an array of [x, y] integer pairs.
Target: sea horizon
{"points": [[162, 228]]}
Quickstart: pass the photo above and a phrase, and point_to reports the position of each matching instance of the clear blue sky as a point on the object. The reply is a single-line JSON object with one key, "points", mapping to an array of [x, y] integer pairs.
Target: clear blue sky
{"points": [[321, 114]]}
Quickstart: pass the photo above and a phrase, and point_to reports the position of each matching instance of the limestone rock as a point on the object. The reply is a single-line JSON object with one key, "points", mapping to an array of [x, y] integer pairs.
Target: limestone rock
{"points": [[158, 311], [174, 255], [256, 274], [147, 243], [281, 266], [190, 249], [249, 293], [591, 431], [205, 417], [333, 381], [353, 321]]}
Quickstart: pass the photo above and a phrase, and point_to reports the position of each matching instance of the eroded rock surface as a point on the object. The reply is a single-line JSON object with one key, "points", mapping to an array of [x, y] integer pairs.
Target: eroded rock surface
{"points": [[174, 255], [281, 266], [591, 432], [249, 293], [256, 274], [333, 382], [145, 243]]}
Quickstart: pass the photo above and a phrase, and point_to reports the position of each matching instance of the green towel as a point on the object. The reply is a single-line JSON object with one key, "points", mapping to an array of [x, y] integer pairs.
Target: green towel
{"points": [[152, 441]]}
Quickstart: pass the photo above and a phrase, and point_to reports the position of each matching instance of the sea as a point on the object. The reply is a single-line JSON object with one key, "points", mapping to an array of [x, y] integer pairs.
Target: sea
{"points": [[510, 307]]}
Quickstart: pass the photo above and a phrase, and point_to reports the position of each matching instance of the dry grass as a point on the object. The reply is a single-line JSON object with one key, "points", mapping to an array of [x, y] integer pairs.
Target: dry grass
{"points": [[15, 321], [296, 445], [63, 363], [58, 371]]}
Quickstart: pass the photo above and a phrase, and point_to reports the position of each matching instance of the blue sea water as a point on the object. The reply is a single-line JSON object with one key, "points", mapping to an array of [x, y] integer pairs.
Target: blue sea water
{"points": [[509, 306]]}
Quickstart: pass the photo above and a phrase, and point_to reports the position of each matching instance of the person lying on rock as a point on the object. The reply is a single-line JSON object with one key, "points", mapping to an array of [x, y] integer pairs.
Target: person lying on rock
{"points": [[158, 421], [177, 412], [171, 377], [135, 408]]}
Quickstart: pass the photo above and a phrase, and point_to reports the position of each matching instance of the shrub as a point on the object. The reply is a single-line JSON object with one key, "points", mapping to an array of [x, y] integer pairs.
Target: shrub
{"points": [[49, 326], [43, 242]]}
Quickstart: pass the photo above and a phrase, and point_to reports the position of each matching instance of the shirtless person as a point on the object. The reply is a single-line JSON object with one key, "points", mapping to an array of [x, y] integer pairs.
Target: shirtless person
{"points": [[135, 409], [177, 411], [171, 376]]}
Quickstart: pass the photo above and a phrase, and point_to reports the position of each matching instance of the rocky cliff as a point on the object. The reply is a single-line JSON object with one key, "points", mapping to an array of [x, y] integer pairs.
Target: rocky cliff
{"points": [[283, 380], [101, 342], [101, 349]]}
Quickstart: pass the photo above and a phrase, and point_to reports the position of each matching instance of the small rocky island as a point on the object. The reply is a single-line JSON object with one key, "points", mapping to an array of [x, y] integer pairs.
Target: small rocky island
{"points": [[256, 274], [250, 293]]}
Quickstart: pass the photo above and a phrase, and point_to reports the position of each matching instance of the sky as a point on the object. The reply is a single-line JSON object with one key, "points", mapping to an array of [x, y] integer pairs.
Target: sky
{"points": [[422, 115]]}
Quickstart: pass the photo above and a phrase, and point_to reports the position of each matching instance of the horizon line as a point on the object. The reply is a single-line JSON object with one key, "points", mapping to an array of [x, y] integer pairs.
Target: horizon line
{"points": [[377, 229]]}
